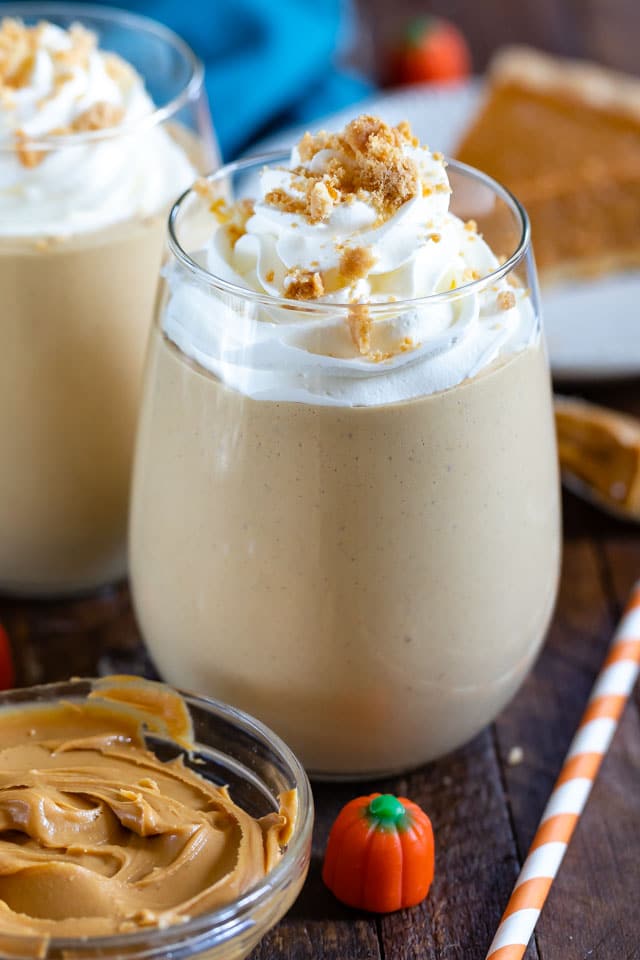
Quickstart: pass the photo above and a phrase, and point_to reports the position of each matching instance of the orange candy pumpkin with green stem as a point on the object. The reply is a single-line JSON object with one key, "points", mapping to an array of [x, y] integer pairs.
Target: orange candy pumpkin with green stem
{"points": [[380, 854]]}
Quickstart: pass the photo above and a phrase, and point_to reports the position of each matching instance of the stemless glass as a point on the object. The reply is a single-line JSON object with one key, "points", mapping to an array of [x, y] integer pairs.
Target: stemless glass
{"points": [[77, 302], [371, 579]]}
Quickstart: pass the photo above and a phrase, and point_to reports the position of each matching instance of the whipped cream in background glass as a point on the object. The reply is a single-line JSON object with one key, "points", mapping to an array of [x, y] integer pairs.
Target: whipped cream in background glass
{"points": [[306, 239], [58, 84]]}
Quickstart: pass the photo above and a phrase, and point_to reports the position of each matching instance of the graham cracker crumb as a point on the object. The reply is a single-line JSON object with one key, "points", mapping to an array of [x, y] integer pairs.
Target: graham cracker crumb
{"points": [[379, 356], [355, 263], [220, 210], [470, 274], [99, 116], [203, 188], [269, 277], [436, 237], [367, 160], [404, 129], [83, 43], [303, 284], [118, 69], [471, 226], [27, 155], [210, 193], [506, 300], [320, 202], [19, 46], [238, 215], [306, 147], [284, 201], [360, 324], [17, 52]]}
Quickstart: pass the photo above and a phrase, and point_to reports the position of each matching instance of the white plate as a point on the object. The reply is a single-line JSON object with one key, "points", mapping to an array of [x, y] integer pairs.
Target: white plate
{"points": [[593, 326]]}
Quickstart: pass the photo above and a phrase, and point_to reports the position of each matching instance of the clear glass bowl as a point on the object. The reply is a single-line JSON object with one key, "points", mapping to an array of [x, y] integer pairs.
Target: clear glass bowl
{"points": [[231, 748]]}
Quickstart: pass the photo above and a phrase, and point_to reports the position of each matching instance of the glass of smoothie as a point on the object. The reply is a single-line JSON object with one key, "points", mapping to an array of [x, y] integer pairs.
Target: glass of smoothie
{"points": [[103, 122], [345, 508]]}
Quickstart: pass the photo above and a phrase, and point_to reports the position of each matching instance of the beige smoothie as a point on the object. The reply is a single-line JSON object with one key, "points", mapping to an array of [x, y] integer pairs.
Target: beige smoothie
{"points": [[372, 582], [73, 345], [370, 574], [82, 230]]}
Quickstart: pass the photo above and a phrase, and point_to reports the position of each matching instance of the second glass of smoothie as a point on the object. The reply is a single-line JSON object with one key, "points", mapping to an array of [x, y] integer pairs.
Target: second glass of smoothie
{"points": [[345, 511], [103, 122]]}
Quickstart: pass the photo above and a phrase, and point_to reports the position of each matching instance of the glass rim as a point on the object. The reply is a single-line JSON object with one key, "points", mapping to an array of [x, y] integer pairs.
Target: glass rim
{"points": [[136, 23], [324, 308], [224, 922]]}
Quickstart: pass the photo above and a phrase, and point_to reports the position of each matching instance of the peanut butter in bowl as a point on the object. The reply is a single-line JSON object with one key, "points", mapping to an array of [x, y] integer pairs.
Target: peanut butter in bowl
{"points": [[101, 835]]}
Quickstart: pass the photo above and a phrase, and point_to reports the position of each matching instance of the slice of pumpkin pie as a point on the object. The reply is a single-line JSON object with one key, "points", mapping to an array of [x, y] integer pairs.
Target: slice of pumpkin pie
{"points": [[564, 137]]}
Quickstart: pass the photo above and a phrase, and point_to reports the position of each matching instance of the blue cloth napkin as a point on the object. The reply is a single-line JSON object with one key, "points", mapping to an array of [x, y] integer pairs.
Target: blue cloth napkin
{"points": [[269, 63]]}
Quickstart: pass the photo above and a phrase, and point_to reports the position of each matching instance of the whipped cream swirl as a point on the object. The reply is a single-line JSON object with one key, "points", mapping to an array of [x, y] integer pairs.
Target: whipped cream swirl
{"points": [[57, 83], [358, 220]]}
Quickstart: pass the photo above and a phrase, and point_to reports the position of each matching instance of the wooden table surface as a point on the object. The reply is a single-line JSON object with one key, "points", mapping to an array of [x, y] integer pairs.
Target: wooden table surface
{"points": [[484, 810]]}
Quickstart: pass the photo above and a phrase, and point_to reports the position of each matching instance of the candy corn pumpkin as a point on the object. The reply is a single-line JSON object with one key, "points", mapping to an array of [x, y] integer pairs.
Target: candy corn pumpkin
{"points": [[380, 854]]}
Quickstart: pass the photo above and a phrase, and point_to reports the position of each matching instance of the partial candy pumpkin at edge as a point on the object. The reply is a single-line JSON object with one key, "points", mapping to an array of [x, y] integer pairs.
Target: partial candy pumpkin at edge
{"points": [[430, 49]]}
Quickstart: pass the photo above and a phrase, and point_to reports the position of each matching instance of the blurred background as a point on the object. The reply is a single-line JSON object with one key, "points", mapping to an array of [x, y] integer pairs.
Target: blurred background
{"points": [[276, 63], [604, 30]]}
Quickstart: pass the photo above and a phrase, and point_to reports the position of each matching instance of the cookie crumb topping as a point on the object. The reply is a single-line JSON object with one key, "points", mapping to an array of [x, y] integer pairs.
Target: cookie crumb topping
{"points": [[367, 161], [19, 46], [506, 299], [303, 284], [355, 263], [360, 324]]}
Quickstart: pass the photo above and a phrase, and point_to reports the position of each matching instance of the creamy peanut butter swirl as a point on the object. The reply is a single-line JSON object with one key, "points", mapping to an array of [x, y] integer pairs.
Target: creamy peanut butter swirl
{"points": [[98, 836]]}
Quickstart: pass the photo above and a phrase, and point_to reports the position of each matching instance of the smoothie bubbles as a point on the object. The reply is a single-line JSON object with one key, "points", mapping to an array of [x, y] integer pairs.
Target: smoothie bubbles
{"points": [[345, 506], [94, 147]]}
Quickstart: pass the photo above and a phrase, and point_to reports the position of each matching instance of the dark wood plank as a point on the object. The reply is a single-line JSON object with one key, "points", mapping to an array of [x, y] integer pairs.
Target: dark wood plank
{"points": [[586, 912], [604, 30], [318, 925], [476, 868], [591, 910], [600, 875], [476, 859], [85, 636], [314, 939], [546, 712], [622, 559]]}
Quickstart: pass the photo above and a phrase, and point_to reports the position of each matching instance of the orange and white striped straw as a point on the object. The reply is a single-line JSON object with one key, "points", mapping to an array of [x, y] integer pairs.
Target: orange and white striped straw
{"points": [[573, 786]]}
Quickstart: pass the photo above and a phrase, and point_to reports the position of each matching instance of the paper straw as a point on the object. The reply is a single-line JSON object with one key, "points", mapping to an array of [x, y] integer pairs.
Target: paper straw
{"points": [[573, 786]]}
